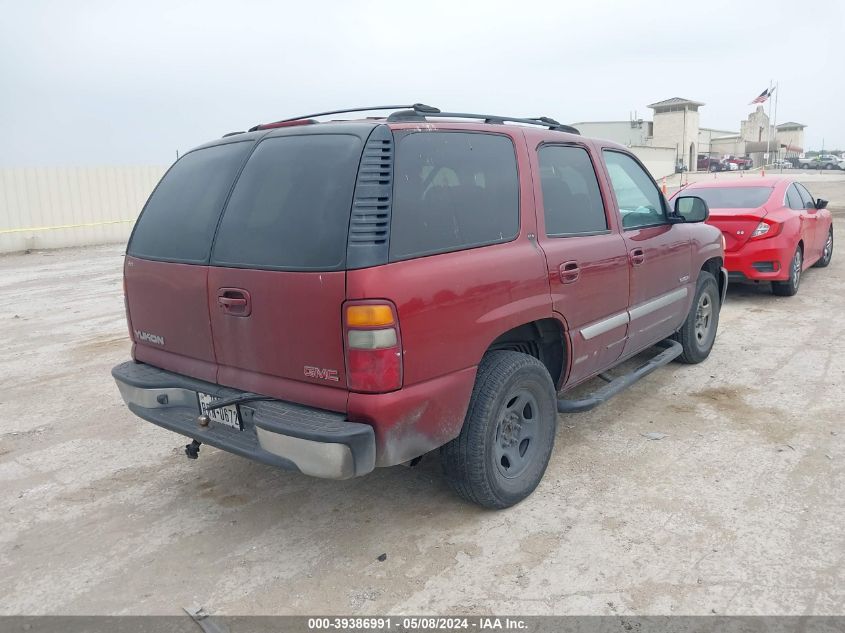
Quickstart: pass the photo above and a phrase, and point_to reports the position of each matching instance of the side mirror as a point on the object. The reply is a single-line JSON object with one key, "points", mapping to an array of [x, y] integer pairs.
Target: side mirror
{"points": [[691, 208], [821, 204]]}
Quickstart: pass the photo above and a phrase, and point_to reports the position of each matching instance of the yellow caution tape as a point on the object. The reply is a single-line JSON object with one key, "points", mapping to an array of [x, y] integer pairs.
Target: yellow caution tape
{"points": [[31, 229]]}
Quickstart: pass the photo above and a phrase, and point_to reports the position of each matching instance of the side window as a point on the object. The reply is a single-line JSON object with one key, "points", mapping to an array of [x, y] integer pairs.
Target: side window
{"points": [[806, 199], [571, 198], [639, 200], [793, 198], [453, 190]]}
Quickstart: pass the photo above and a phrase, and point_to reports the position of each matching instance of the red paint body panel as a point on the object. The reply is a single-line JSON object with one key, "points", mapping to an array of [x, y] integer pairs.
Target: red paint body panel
{"points": [[169, 300], [295, 322], [416, 419], [666, 267], [808, 227]]}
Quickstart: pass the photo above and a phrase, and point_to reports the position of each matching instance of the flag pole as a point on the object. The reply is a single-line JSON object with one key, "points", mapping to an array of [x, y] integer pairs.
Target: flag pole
{"points": [[777, 144], [768, 127]]}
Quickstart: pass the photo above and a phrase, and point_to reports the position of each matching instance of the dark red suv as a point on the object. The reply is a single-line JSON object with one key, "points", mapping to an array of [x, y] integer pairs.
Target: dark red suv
{"points": [[332, 297]]}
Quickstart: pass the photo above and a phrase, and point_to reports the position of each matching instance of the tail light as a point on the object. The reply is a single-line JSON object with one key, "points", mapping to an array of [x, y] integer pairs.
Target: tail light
{"points": [[766, 229], [373, 346]]}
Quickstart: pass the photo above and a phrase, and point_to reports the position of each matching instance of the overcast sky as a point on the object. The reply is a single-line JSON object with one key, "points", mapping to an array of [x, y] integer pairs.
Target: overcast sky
{"points": [[113, 82]]}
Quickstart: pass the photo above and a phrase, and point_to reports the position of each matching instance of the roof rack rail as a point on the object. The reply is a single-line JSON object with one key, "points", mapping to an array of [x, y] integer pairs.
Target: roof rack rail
{"points": [[416, 114], [416, 107]]}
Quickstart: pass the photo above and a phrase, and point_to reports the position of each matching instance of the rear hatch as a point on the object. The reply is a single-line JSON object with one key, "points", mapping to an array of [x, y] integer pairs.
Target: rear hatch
{"points": [[735, 211], [255, 297]]}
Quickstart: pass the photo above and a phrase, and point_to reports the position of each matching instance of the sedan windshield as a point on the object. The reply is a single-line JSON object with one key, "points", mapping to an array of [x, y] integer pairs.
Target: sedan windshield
{"points": [[733, 197]]}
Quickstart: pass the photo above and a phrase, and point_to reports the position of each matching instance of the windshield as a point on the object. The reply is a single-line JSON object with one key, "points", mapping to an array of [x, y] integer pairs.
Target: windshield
{"points": [[733, 197]]}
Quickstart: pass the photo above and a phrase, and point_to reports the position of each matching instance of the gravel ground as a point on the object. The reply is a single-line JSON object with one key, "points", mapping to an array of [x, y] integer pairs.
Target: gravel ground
{"points": [[738, 510]]}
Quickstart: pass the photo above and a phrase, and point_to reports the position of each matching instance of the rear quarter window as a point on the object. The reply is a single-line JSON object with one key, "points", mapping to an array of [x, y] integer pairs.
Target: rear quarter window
{"points": [[290, 208], [453, 190], [179, 219]]}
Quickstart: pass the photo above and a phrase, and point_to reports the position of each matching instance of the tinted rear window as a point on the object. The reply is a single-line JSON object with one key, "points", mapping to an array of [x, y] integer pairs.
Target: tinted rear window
{"points": [[733, 197], [572, 201], [178, 221], [453, 190], [290, 209]]}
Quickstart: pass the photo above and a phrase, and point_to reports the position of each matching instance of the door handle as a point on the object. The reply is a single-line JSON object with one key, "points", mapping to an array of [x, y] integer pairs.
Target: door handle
{"points": [[637, 256], [569, 272], [234, 301]]}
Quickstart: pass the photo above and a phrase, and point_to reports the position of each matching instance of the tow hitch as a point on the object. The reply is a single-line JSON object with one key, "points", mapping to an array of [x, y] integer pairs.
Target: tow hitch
{"points": [[192, 450]]}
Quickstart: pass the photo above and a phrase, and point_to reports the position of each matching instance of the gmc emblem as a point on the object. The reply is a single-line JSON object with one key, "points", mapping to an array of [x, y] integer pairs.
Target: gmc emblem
{"points": [[322, 374]]}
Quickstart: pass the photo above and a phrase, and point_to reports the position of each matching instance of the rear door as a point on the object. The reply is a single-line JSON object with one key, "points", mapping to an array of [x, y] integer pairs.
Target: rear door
{"points": [[659, 254], [166, 270], [276, 282], [585, 255]]}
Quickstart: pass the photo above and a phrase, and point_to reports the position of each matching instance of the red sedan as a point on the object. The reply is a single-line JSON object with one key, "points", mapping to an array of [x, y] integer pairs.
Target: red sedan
{"points": [[773, 228]]}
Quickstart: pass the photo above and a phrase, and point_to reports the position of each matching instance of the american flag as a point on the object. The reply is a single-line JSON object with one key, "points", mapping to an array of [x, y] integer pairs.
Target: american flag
{"points": [[763, 96]]}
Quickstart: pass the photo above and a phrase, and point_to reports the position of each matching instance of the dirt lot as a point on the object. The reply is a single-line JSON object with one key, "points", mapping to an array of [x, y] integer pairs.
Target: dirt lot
{"points": [[739, 509]]}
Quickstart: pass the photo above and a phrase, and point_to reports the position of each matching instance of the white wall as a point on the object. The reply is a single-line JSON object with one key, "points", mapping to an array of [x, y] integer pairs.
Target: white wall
{"points": [[54, 207], [660, 161], [617, 131]]}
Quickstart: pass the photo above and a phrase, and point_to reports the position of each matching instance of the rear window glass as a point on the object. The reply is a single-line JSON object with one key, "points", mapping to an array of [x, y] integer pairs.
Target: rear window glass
{"points": [[290, 209], [733, 197], [178, 221], [453, 190]]}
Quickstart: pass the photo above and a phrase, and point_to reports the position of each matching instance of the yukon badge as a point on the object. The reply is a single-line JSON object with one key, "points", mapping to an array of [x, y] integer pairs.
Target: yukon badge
{"points": [[155, 339], [323, 374]]}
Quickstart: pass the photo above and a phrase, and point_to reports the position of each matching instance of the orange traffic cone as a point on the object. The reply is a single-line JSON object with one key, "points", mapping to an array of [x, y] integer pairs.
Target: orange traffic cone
{"points": [[763, 171], [663, 188]]}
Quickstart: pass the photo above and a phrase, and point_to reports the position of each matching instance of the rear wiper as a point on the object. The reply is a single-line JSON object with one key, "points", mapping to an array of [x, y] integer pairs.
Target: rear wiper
{"points": [[242, 398]]}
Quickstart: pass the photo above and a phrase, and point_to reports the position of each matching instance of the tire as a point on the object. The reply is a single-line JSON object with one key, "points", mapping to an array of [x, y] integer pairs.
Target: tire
{"points": [[828, 166], [827, 252], [790, 287], [698, 333], [504, 446]]}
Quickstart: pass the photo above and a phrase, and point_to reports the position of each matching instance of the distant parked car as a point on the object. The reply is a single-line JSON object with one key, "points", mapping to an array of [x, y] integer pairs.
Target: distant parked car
{"points": [[741, 162], [710, 163], [824, 161], [773, 229], [783, 163]]}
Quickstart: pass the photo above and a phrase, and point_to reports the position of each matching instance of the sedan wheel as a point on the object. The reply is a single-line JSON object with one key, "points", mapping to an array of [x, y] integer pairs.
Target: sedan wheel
{"points": [[827, 251], [789, 288]]}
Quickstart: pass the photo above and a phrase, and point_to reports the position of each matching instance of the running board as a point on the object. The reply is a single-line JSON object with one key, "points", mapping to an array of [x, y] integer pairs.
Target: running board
{"points": [[671, 350]]}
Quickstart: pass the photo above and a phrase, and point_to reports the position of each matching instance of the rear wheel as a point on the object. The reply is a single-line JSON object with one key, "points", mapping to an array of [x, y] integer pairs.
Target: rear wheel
{"points": [[827, 251], [698, 333], [790, 287], [507, 437]]}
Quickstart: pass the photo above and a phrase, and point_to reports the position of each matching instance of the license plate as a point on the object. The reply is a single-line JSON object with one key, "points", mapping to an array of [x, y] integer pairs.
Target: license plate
{"points": [[227, 416]]}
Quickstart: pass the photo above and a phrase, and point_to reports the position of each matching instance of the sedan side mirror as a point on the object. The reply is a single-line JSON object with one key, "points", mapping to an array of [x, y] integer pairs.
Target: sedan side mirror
{"points": [[821, 204], [691, 208]]}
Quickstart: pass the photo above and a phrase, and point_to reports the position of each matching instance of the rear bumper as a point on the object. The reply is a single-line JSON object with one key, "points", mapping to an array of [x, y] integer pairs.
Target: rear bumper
{"points": [[741, 263], [282, 434]]}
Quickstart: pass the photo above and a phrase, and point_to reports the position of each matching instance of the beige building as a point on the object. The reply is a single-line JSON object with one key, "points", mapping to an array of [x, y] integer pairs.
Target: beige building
{"points": [[790, 138], [676, 125], [675, 138]]}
